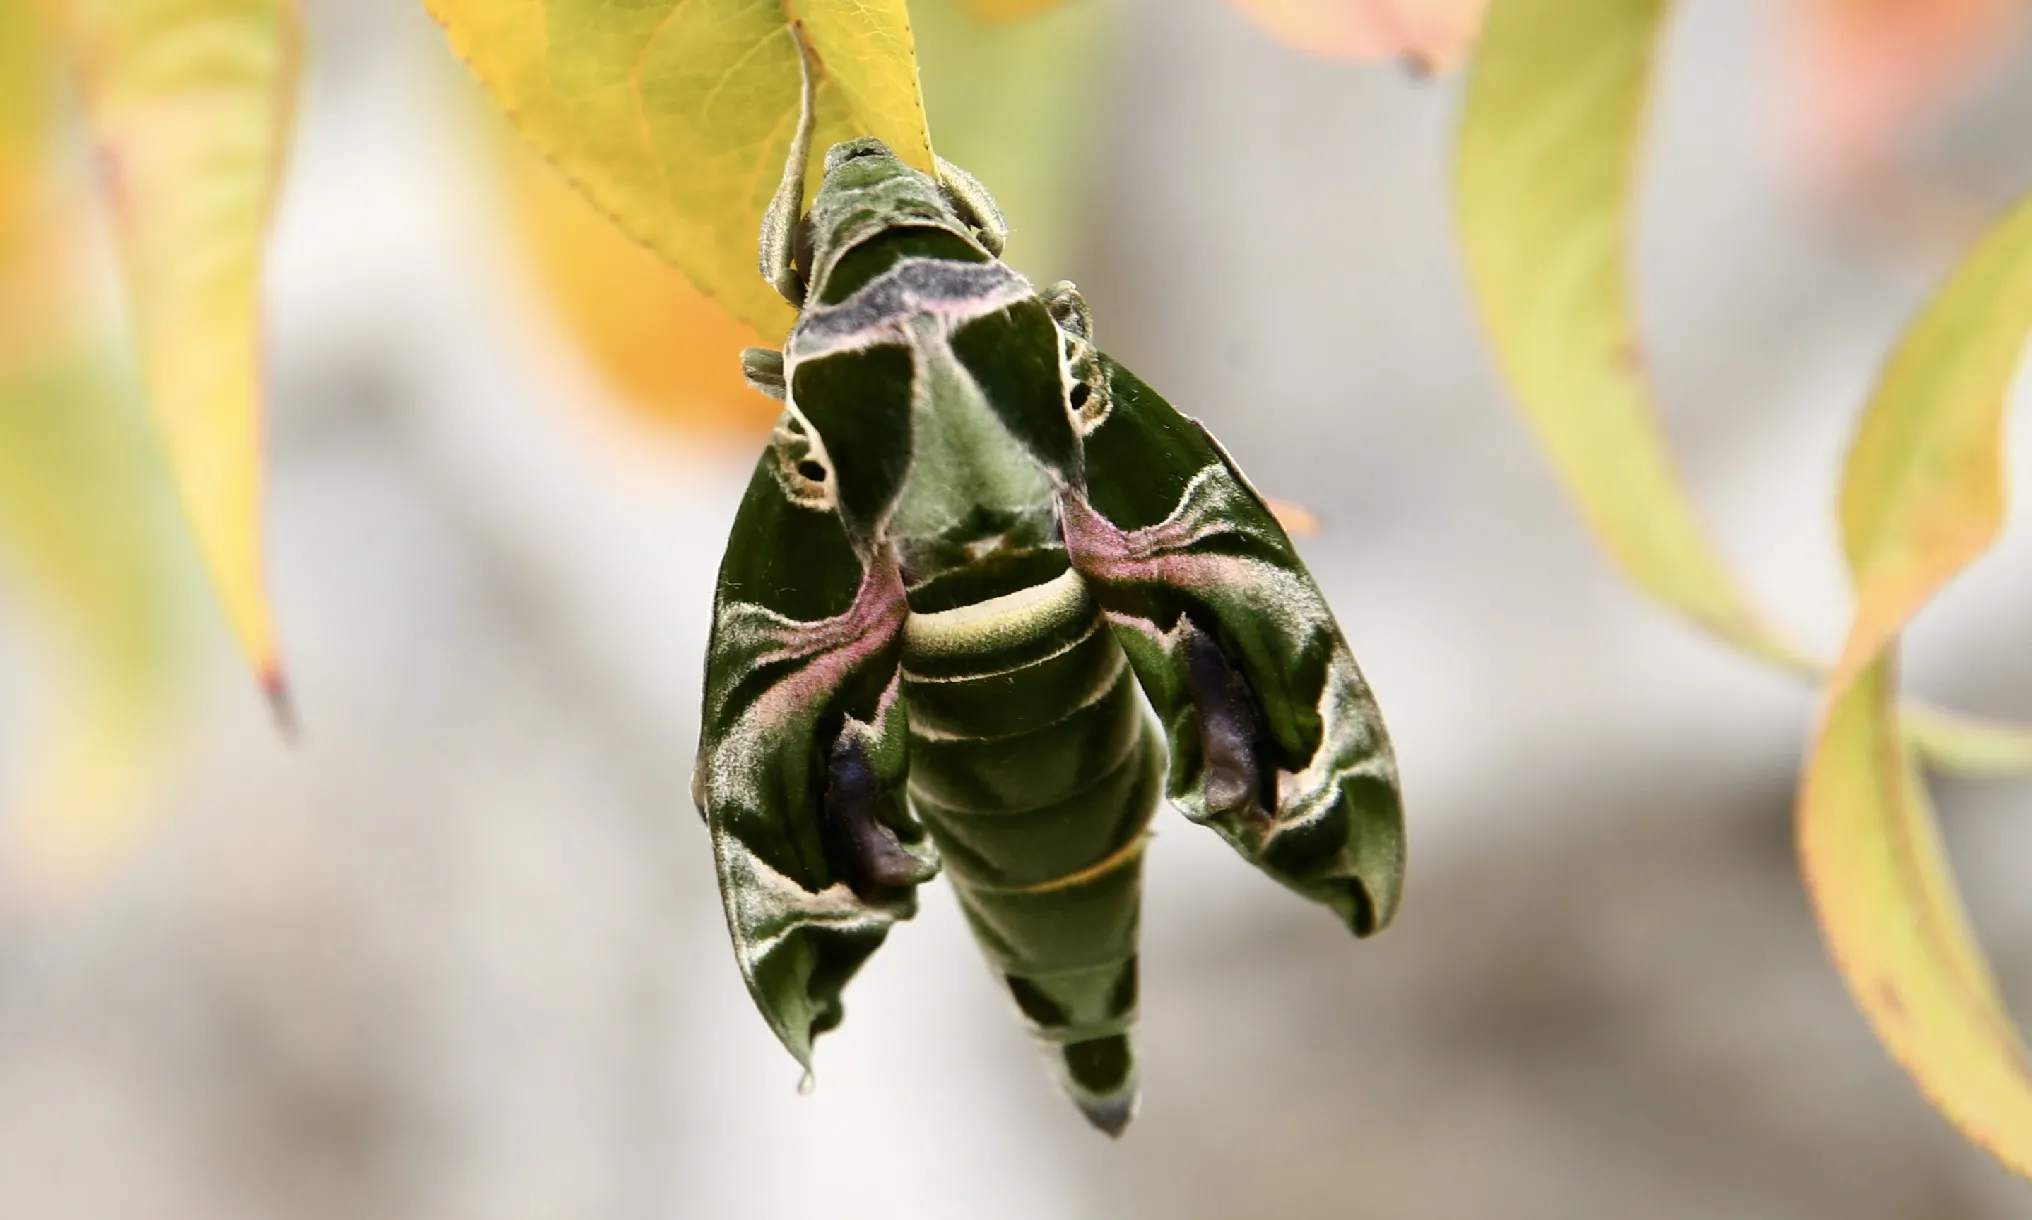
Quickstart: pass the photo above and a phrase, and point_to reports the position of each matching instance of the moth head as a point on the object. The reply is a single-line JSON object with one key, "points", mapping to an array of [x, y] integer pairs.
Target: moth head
{"points": [[868, 191]]}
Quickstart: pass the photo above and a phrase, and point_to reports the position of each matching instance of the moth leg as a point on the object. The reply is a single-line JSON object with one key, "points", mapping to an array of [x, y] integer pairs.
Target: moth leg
{"points": [[976, 206], [1069, 310], [779, 222], [763, 367]]}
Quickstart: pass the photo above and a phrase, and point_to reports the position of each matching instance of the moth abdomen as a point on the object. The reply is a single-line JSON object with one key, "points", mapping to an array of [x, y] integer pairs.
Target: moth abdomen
{"points": [[1036, 771]]}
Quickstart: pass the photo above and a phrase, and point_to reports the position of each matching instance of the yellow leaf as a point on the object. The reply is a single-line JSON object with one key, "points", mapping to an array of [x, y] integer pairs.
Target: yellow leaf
{"points": [[1009, 10], [82, 510], [1544, 179], [674, 116], [1922, 497], [665, 347], [1432, 34], [189, 103]]}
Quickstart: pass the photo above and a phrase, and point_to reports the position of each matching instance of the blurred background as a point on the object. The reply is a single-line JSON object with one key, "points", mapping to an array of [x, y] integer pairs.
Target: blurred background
{"points": [[457, 954]]}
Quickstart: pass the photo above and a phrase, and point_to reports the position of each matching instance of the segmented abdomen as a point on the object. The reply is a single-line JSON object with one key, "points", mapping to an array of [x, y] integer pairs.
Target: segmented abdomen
{"points": [[1036, 770]]}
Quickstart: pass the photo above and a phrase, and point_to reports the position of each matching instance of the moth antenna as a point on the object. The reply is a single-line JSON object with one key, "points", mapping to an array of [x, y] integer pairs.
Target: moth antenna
{"points": [[779, 223]]}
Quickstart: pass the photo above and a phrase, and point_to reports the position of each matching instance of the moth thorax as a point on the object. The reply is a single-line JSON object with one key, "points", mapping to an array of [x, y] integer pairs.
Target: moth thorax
{"points": [[974, 494]]}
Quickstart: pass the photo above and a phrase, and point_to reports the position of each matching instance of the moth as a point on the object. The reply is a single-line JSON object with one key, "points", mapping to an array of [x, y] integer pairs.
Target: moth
{"points": [[972, 552]]}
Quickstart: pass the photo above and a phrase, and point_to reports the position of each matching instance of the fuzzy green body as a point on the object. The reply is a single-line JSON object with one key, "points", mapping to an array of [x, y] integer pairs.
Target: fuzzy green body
{"points": [[1036, 769], [975, 548]]}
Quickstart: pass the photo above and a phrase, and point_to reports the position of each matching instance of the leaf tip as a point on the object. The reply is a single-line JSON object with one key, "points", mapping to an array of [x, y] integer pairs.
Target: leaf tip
{"points": [[281, 706]]}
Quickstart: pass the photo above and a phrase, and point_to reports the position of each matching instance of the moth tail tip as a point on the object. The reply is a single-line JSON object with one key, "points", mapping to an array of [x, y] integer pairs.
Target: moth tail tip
{"points": [[1100, 1077], [1110, 1115]]}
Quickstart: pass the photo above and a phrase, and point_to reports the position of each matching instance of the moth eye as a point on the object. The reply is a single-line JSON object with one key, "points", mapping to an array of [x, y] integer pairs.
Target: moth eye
{"points": [[811, 470], [1081, 392]]}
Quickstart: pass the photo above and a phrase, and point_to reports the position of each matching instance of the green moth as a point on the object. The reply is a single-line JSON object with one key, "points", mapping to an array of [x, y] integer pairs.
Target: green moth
{"points": [[973, 549]]}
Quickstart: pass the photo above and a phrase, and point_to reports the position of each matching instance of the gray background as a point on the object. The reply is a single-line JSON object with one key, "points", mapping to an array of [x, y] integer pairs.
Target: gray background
{"points": [[459, 957]]}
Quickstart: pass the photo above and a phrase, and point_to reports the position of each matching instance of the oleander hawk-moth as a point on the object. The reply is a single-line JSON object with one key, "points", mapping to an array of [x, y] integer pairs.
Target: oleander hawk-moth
{"points": [[974, 547]]}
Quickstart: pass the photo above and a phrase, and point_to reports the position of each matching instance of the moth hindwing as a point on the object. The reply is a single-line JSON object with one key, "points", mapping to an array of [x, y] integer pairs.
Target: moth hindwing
{"points": [[972, 551]]}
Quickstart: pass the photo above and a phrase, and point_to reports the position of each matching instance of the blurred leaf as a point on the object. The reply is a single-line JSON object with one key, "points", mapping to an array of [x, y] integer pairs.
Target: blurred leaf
{"points": [[1967, 745], [1014, 105], [1544, 191], [1866, 71], [190, 105], [1432, 34], [1545, 181], [1922, 497], [1297, 520], [26, 95], [83, 507], [674, 116], [1009, 10], [663, 345]]}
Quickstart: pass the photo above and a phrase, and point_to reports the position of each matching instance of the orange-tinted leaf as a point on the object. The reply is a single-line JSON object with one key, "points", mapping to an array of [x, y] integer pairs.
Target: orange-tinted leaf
{"points": [[1297, 520], [1433, 34], [1008, 10], [190, 103], [83, 506], [1922, 496], [666, 348], [1864, 72]]}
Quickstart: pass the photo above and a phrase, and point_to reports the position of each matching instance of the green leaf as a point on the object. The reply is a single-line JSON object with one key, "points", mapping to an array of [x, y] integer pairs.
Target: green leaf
{"points": [[1013, 105], [1544, 190], [190, 105], [88, 532], [1922, 497], [83, 504], [1545, 198], [674, 116]]}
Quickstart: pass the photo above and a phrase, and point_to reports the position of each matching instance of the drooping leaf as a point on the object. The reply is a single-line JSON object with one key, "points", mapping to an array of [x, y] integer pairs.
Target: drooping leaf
{"points": [[1545, 178], [83, 509], [1544, 196], [1432, 34], [1922, 497], [83, 503], [674, 116], [668, 350], [190, 104]]}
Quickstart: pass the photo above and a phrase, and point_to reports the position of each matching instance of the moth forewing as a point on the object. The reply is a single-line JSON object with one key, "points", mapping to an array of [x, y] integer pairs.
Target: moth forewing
{"points": [[802, 757], [1276, 741]]}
